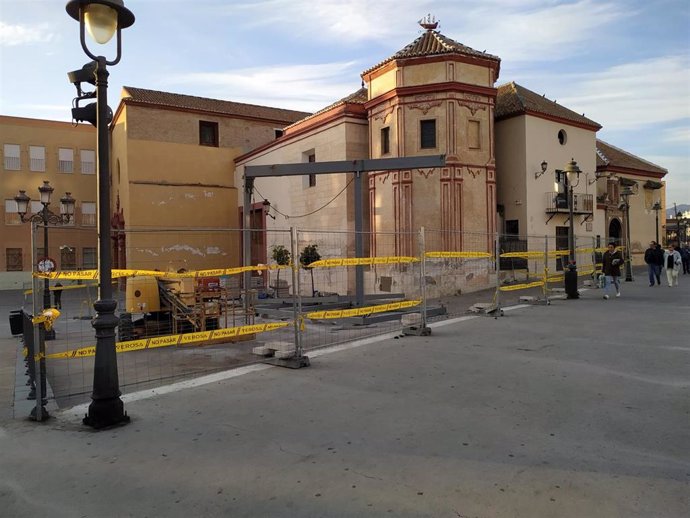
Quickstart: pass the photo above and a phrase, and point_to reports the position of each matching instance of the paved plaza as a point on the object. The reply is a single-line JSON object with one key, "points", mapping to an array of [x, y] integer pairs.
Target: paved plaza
{"points": [[576, 409]]}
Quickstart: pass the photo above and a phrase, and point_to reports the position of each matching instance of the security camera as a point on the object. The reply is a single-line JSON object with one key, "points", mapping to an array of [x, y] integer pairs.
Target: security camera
{"points": [[89, 113], [86, 74]]}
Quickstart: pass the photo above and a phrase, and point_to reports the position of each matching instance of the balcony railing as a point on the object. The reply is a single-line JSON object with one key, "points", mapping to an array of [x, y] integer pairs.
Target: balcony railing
{"points": [[558, 202]]}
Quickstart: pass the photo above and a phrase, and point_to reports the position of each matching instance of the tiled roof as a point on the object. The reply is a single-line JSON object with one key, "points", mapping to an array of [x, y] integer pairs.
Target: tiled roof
{"points": [[513, 99], [433, 43], [359, 97], [190, 102], [608, 155]]}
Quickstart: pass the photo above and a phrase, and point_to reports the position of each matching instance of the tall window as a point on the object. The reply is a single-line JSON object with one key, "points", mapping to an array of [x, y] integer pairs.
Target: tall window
{"points": [[88, 213], [312, 177], [208, 133], [68, 258], [11, 154], [427, 134], [65, 160], [11, 214], [385, 141], [37, 158], [88, 161], [88, 258], [13, 259]]}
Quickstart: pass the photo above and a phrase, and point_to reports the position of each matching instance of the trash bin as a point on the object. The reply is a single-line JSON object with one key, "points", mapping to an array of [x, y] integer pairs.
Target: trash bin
{"points": [[16, 322], [571, 282]]}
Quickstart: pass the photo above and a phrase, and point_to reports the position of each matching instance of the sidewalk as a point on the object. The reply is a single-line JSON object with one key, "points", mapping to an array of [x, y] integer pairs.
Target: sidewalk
{"points": [[577, 409]]}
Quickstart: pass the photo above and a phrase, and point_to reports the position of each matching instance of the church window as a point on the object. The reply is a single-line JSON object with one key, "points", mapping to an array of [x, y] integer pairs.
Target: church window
{"points": [[312, 177], [385, 140], [562, 137], [427, 133], [208, 133]]}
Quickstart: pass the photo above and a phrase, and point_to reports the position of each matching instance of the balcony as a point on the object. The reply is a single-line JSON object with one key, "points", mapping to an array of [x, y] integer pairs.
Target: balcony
{"points": [[558, 202]]}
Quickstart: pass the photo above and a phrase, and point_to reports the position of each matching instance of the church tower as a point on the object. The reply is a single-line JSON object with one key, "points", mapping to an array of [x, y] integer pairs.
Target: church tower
{"points": [[435, 96]]}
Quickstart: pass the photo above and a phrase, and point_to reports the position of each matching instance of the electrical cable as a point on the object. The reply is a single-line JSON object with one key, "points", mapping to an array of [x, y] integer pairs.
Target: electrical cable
{"points": [[286, 216]]}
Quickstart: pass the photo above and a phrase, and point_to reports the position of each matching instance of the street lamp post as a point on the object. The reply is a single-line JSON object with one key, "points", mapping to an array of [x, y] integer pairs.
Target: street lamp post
{"points": [[657, 207], [103, 19], [46, 217], [40, 334], [625, 194], [572, 172]]}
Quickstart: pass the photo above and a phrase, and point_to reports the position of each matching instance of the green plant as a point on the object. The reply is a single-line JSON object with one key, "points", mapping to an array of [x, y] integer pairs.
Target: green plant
{"points": [[281, 256], [309, 255]]}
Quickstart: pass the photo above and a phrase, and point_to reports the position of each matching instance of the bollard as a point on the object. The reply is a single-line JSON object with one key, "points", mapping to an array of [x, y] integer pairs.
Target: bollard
{"points": [[571, 281]]}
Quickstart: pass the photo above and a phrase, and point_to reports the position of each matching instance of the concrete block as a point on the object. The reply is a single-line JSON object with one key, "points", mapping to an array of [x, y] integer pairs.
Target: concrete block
{"points": [[262, 350], [282, 355], [280, 345], [411, 319]]}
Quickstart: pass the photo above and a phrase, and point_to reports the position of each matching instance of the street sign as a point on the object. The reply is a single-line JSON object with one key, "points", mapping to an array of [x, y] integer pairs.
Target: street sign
{"points": [[46, 265]]}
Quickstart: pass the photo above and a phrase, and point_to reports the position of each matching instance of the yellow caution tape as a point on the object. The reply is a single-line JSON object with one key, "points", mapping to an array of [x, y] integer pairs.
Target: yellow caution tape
{"points": [[47, 318], [170, 340], [362, 261], [458, 255], [522, 286], [356, 312], [524, 254], [25, 352], [116, 274]]}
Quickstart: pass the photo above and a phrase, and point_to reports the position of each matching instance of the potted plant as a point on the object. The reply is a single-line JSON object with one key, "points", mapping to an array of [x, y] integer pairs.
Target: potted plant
{"points": [[310, 255], [281, 256]]}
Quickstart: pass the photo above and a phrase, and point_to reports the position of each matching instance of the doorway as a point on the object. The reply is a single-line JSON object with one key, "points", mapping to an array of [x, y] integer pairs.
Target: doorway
{"points": [[615, 231]]}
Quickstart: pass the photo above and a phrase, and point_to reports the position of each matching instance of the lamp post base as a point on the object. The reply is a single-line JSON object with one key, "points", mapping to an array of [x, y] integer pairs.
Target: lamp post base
{"points": [[105, 413], [570, 283]]}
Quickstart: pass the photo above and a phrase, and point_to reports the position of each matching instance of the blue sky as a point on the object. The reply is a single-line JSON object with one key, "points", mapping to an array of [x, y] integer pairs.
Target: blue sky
{"points": [[624, 63]]}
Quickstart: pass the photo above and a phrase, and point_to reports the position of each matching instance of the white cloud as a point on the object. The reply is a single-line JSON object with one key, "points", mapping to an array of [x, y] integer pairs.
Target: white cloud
{"points": [[526, 30], [298, 87], [538, 31], [13, 35], [631, 95], [678, 135]]}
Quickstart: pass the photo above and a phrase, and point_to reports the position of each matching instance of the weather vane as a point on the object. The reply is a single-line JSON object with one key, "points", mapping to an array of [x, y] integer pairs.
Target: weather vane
{"points": [[429, 22]]}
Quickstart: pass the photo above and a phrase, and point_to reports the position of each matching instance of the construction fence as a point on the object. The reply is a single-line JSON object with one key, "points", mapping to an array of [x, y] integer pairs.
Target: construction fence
{"points": [[187, 307]]}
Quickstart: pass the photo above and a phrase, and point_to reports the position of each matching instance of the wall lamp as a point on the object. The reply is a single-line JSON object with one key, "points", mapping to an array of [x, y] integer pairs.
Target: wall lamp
{"points": [[544, 165], [267, 208]]}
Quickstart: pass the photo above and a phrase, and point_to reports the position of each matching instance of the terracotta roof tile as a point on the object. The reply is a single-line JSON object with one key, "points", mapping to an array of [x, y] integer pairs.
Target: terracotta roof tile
{"points": [[433, 43], [611, 156], [513, 99], [190, 102], [361, 96]]}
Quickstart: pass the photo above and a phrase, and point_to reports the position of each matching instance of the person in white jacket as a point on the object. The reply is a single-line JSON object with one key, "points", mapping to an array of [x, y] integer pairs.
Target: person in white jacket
{"points": [[673, 263]]}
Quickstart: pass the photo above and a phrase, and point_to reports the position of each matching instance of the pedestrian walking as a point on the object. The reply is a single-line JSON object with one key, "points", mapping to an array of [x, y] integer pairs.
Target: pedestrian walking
{"points": [[650, 258], [611, 265], [659, 263], [673, 264], [57, 295], [685, 257]]}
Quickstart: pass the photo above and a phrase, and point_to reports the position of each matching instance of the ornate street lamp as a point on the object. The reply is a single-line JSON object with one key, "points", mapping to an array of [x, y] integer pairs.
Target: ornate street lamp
{"points": [[45, 217], [572, 172], [656, 208], [103, 19], [625, 194]]}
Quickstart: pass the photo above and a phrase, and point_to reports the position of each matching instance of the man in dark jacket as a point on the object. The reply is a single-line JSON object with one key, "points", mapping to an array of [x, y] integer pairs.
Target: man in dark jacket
{"points": [[651, 261], [659, 255], [611, 265]]}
